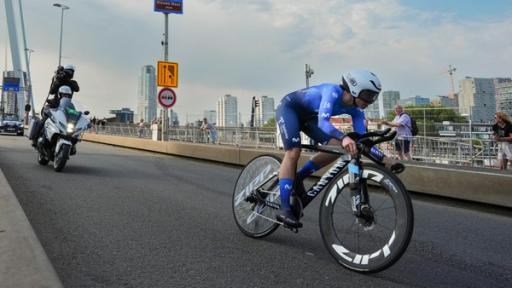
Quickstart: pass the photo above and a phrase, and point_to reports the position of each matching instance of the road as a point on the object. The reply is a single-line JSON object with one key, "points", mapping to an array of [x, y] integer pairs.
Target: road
{"points": [[124, 218]]}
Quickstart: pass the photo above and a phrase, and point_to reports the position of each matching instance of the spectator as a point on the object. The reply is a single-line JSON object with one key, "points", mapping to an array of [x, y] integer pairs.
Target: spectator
{"points": [[94, 122], [503, 134], [402, 125], [212, 133], [141, 128]]}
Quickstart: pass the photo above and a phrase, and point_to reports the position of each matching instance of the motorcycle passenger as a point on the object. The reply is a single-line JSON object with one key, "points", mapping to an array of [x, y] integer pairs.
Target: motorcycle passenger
{"points": [[63, 78], [309, 110]]}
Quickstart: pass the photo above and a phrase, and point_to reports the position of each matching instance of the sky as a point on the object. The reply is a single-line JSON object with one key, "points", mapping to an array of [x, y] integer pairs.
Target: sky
{"points": [[251, 48]]}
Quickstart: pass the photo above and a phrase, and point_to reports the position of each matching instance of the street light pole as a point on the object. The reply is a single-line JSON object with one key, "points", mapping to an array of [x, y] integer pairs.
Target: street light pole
{"points": [[63, 7], [309, 73]]}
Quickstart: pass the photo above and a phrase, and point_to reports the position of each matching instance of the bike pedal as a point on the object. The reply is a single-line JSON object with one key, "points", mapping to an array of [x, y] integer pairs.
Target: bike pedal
{"points": [[293, 229]]}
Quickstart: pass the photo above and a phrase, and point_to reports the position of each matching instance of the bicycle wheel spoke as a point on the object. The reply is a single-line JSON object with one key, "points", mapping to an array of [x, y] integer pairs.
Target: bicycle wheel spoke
{"points": [[254, 218], [384, 226], [386, 208], [366, 247]]}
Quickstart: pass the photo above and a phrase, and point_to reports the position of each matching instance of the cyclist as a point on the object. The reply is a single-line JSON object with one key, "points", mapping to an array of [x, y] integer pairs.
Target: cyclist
{"points": [[309, 110]]}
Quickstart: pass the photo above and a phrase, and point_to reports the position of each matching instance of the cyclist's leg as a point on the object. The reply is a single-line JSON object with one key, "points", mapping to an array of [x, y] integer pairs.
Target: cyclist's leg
{"points": [[288, 122], [319, 160]]}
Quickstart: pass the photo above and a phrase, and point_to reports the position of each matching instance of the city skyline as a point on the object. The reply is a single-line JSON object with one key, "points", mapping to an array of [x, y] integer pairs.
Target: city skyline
{"points": [[258, 47]]}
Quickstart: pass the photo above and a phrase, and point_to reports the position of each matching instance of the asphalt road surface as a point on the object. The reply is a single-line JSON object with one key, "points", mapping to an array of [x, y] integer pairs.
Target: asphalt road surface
{"points": [[124, 218]]}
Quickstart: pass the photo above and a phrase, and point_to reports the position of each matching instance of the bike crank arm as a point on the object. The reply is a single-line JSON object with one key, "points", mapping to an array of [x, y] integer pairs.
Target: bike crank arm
{"points": [[293, 229]]}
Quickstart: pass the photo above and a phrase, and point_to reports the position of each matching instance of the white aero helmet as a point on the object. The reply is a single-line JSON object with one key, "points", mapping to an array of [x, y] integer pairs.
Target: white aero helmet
{"points": [[65, 91], [362, 84], [70, 67]]}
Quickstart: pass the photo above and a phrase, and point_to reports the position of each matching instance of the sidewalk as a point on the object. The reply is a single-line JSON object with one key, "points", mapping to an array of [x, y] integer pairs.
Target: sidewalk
{"points": [[23, 262]]}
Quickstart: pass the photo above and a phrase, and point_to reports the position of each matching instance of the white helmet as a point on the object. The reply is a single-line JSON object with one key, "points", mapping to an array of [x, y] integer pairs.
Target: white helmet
{"points": [[65, 91], [70, 67], [362, 84]]}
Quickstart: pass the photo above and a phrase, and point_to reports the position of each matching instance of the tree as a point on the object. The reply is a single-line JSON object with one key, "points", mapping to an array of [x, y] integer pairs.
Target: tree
{"points": [[271, 123]]}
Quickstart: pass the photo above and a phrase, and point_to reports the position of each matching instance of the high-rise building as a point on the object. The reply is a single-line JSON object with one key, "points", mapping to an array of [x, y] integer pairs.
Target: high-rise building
{"points": [[386, 102], [125, 115], [415, 101], [146, 100], [210, 115], [373, 111], [12, 101], [173, 118], [504, 94], [264, 110], [477, 98], [227, 111], [445, 101]]}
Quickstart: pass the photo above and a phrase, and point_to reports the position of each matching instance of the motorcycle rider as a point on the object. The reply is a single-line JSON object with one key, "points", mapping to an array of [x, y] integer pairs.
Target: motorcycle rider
{"points": [[63, 78]]}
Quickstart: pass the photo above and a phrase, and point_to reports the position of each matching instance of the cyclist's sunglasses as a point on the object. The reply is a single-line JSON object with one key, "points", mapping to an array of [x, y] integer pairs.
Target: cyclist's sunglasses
{"points": [[368, 96]]}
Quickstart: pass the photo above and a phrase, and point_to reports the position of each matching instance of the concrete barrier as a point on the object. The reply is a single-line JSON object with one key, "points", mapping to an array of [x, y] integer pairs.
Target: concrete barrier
{"points": [[470, 184]]}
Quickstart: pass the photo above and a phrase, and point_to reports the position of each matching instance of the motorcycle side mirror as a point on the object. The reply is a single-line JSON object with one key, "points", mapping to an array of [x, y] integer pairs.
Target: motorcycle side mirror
{"points": [[86, 113], [27, 108]]}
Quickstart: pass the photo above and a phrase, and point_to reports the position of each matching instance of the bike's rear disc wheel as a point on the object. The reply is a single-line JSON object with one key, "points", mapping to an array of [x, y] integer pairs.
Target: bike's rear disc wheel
{"points": [[256, 219], [367, 248]]}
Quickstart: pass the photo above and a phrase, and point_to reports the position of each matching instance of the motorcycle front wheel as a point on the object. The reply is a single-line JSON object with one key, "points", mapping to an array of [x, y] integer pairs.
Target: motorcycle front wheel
{"points": [[61, 158]]}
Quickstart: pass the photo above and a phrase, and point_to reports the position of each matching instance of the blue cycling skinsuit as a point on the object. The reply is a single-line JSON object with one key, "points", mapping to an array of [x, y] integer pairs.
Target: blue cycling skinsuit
{"points": [[309, 110]]}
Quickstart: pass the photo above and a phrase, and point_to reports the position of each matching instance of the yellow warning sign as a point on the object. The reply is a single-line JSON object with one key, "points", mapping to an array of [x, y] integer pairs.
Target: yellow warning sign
{"points": [[167, 74]]}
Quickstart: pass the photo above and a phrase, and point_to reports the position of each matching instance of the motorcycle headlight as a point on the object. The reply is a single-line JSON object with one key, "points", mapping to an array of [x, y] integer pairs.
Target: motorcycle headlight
{"points": [[71, 127]]}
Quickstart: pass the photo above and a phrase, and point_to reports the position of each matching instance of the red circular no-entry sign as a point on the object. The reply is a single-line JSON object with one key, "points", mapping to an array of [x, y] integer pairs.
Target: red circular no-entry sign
{"points": [[167, 97]]}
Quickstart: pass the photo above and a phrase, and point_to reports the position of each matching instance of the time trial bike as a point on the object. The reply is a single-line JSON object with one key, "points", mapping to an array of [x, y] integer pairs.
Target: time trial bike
{"points": [[366, 216]]}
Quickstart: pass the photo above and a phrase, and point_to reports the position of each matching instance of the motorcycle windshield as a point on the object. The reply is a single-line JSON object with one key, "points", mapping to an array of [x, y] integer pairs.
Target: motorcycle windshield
{"points": [[72, 115]]}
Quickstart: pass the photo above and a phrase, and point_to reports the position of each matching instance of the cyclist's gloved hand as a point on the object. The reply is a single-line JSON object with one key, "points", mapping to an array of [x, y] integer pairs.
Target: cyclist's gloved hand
{"points": [[349, 145], [393, 165]]}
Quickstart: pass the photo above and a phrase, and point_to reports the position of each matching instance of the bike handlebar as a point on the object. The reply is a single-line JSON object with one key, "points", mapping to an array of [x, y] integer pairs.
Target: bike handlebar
{"points": [[364, 141]]}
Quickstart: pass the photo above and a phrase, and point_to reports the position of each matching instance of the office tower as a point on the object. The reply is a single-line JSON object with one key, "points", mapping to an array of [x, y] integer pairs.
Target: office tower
{"points": [[477, 98], [173, 118], [125, 115], [445, 101], [227, 111], [389, 100], [264, 110], [415, 101], [12, 94], [146, 100], [504, 96], [211, 116]]}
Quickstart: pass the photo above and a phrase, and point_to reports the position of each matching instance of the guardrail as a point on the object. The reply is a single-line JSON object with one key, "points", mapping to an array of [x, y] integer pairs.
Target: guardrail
{"points": [[439, 150]]}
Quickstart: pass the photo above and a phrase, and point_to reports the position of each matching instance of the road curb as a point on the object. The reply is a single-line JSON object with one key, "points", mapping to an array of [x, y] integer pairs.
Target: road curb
{"points": [[23, 262]]}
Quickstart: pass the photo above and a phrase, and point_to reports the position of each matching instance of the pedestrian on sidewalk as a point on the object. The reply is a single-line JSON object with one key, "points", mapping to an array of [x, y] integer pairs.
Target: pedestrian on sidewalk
{"points": [[403, 126], [502, 129]]}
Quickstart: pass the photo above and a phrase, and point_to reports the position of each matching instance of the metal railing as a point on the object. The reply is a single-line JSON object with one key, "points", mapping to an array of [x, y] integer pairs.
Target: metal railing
{"points": [[234, 136], [439, 150]]}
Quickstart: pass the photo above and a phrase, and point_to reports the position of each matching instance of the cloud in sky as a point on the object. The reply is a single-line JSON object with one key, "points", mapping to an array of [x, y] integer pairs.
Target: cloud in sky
{"points": [[249, 48]]}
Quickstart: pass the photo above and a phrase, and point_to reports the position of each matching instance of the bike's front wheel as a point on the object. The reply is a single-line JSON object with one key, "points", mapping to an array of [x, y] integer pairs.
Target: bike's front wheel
{"points": [[358, 243], [256, 197]]}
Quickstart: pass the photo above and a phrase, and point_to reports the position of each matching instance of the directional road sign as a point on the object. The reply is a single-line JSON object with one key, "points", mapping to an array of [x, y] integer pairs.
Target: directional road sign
{"points": [[169, 6], [167, 74], [166, 97]]}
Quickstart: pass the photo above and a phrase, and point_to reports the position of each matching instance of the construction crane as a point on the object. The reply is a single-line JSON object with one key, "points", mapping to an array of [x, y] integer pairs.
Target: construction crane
{"points": [[450, 71]]}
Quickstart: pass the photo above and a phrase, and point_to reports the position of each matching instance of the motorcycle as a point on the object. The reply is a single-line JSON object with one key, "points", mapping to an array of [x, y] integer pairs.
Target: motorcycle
{"points": [[62, 131]]}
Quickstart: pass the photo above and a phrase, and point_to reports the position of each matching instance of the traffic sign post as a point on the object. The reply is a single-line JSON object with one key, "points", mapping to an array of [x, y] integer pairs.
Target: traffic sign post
{"points": [[167, 72]]}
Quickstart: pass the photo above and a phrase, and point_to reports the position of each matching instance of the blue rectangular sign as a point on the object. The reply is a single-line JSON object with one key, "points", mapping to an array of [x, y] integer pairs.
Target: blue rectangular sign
{"points": [[11, 84], [169, 6]]}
